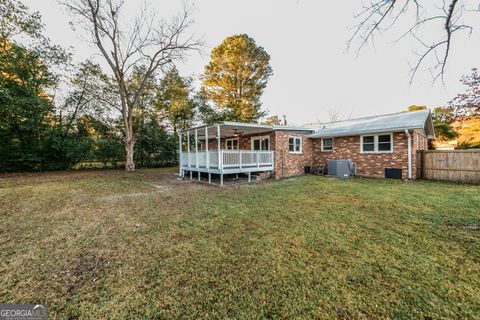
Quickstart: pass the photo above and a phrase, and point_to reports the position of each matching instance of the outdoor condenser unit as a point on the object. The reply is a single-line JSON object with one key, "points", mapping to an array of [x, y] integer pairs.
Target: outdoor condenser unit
{"points": [[341, 168]]}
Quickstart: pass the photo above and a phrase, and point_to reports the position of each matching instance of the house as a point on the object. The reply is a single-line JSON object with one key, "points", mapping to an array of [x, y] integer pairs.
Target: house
{"points": [[374, 144]]}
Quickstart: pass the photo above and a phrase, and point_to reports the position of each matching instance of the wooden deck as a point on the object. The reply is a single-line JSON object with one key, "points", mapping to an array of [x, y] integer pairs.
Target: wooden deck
{"points": [[231, 162]]}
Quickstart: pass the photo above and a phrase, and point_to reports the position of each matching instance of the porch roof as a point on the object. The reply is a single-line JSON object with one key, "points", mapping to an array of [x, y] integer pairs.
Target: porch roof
{"points": [[232, 128]]}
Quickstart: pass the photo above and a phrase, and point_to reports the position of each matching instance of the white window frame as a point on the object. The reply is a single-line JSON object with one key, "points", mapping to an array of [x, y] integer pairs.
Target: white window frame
{"points": [[375, 143], [322, 145], [260, 138], [295, 139], [231, 140]]}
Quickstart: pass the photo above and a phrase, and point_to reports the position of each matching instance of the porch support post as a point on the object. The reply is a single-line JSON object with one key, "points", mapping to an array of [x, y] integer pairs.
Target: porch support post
{"points": [[249, 177], [188, 149], [180, 160], [196, 148], [191, 175], [199, 175], [209, 177], [220, 160], [240, 158], [207, 155]]}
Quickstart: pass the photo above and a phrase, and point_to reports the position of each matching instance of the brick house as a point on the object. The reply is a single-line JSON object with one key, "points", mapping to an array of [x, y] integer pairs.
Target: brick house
{"points": [[373, 144]]}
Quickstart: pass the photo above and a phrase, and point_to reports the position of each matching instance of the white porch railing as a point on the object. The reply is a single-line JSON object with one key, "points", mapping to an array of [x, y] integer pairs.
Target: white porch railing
{"points": [[230, 159]]}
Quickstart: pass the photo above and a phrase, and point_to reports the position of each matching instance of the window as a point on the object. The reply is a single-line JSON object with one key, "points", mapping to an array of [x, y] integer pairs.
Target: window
{"points": [[376, 143], [295, 145], [232, 144], [385, 142], [368, 144], [261, 143], [327, 144]]}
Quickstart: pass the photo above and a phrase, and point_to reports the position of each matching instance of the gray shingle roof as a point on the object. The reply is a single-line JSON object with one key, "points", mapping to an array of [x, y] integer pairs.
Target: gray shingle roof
{"points": [[377, 124]]}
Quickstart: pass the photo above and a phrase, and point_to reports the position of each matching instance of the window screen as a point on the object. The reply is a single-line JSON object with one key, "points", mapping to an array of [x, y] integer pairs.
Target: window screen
{"points": [[385, 143], [368, 143]]}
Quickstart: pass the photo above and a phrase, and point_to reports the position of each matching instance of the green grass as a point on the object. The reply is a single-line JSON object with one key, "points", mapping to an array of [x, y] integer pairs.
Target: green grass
{"points": [[106, 244]]}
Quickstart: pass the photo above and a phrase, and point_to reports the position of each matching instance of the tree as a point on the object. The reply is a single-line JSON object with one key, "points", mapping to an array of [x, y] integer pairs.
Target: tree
{"points": [[236, 76], [92, 92], [16, 19], [334, 115], [443, 115], [442, 118], [416, 108], [173, 100], [26, 110], [468, 104], [273, 120], [146, 43], [26, 61], [205, 112], [448, 16], [155, 147]]}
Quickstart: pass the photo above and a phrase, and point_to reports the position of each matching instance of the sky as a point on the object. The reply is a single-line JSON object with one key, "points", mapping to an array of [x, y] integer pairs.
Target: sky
{"points": [[314, 74]]}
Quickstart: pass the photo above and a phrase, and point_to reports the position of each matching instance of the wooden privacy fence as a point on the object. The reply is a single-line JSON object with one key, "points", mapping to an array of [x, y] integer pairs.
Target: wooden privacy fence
{"points": [[449, 165]]}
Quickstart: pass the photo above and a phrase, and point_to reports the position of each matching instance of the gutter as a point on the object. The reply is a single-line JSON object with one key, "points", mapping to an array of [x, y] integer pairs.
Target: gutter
{"points": [[318, 134], [409, 137]]}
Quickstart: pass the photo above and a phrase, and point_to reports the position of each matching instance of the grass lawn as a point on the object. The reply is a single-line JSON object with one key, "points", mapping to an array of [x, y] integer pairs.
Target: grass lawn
{"points": [[107, 244]]}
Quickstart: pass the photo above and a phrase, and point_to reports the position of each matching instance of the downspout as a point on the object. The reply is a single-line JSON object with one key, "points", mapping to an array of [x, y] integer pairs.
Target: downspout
{"points": [[409, 138]]}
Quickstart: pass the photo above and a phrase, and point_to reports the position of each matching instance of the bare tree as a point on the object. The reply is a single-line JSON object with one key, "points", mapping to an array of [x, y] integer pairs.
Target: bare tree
{"points": [[334, 115], [450, 15], [147, 43]]}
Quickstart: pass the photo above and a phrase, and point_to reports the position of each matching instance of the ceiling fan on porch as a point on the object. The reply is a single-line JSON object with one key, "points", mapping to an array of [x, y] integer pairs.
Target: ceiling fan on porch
{"points": [[236, 133]]}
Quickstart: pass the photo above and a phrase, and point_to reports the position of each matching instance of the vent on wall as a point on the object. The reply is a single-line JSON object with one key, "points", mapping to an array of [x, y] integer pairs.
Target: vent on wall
{"points": [[393, 173]]}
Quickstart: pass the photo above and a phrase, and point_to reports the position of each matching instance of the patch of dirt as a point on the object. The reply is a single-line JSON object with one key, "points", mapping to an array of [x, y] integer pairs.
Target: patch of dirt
{"points": [[128, 195], [473, 227], [83, 270], [162, 188]]}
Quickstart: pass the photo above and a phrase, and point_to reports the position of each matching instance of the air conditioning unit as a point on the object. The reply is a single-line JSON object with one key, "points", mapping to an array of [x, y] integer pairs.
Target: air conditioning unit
{"points": [[341, 168]]}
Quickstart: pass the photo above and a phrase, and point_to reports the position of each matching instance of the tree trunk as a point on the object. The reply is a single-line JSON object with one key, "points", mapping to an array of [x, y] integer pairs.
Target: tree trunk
{"points": [[129, 140], [129, 164]]}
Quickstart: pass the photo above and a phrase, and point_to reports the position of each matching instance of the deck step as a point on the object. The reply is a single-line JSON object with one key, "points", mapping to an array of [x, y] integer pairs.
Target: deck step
{"points": [[258, 176]]}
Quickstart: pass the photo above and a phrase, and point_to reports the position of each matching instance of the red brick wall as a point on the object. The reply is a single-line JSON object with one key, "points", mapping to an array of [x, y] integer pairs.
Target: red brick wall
{"points": [[369, 165], [289, 164]]}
